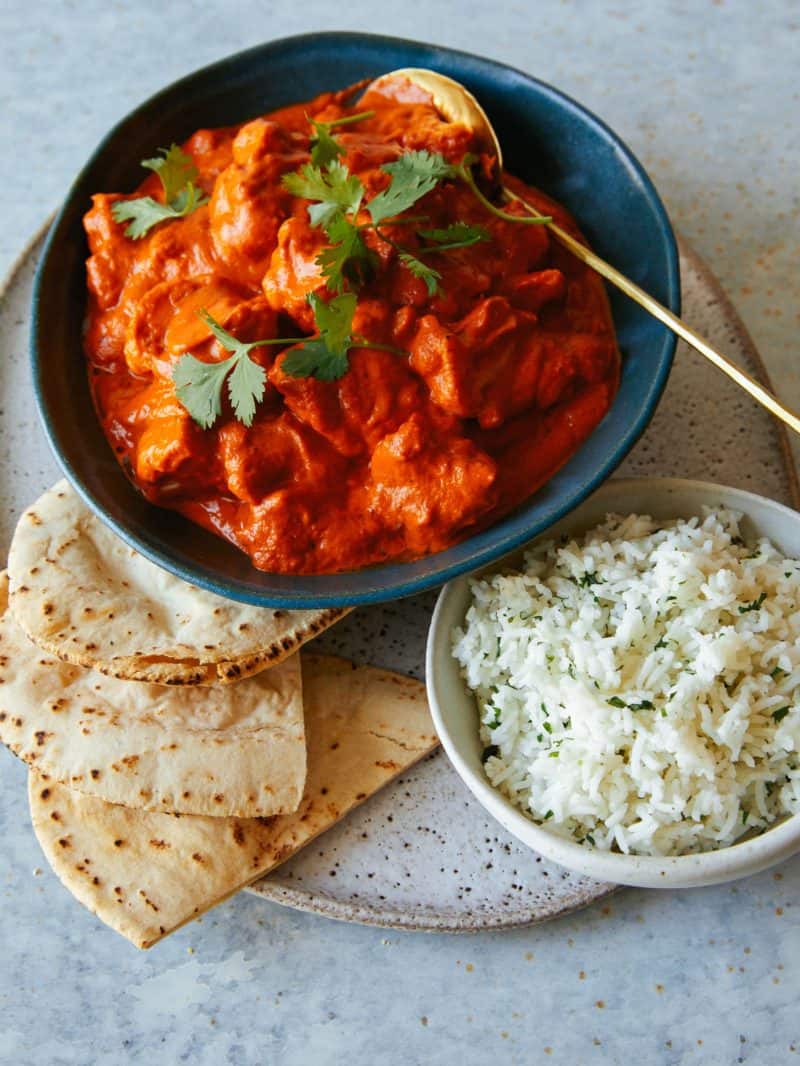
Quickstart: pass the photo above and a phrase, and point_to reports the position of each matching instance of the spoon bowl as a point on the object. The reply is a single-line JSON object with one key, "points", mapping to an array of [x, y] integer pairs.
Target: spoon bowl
{"points": [[452, 100]]}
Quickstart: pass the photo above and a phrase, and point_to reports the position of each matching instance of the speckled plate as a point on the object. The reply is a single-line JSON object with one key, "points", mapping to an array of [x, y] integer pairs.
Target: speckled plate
{"points": [[422, 854]]}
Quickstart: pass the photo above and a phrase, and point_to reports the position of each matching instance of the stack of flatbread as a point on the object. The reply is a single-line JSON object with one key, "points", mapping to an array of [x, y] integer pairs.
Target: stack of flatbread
{"points": [[179, 746]]}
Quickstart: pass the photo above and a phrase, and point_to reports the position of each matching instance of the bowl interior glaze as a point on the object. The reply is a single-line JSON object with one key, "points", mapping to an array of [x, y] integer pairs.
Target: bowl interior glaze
{"points": [[548, 140]]}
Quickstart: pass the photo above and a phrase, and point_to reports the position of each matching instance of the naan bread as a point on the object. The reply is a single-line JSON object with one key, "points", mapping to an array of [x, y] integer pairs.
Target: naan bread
{"points": [[147, 874], [82, 594], [227, 750]]}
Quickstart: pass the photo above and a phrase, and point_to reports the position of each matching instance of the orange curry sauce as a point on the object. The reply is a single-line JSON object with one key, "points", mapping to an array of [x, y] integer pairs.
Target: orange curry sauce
{"points": [[509, 367]]}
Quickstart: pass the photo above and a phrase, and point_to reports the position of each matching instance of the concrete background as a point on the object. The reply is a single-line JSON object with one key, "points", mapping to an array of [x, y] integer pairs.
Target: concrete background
{"points": [[706, 94]]}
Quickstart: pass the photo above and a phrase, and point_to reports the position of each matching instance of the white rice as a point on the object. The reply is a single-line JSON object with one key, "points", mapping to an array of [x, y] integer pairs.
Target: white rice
{"points": [[638, 689]]}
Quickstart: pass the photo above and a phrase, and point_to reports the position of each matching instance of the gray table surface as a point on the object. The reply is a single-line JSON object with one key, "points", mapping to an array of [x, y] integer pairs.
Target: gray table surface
{"points": [[707, 96]]}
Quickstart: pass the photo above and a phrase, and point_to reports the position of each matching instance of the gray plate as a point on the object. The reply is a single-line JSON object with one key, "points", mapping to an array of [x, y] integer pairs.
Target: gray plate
{"points": [[422, 854]]}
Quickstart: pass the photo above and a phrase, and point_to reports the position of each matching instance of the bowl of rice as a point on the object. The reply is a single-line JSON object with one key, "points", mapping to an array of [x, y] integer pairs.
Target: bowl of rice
{"points": [[623, 695]]}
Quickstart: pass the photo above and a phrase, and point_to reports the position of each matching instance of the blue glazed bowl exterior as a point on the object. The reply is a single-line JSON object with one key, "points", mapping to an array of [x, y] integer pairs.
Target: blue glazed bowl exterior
{"points": [[548, 139]]}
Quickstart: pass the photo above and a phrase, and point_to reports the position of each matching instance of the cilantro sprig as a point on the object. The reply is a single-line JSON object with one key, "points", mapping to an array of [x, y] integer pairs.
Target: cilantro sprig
{"points": [[175, 169], [325, 357], [199, 385], [177, 173], [413, 175], [349, 259], [334, 190], [337, 197], [337, 206]]}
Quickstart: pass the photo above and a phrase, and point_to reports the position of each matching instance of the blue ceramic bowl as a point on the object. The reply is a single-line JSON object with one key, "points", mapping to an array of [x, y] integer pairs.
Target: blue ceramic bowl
{"points": [[547, 139]]}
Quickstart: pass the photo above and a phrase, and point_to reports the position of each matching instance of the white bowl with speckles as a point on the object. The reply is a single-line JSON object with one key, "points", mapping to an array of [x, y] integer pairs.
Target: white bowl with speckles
{"points": [[455, 712]]}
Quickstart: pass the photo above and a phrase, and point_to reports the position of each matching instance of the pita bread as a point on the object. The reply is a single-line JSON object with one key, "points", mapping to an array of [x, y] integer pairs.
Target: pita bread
{"points": [[82, 594], [147, 874], [227, 750]]}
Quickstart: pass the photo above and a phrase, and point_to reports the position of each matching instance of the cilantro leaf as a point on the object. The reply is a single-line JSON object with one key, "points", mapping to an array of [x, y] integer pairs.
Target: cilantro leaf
{"points": [[325, 357], [142, 214], [188, 200], [177, 173], [335, 191], [175, 168], [348, 258], [198, 386], [456, 235], [335, 318], [315, 359], [324, 148], [419, 269], [337, 194], [246, 383], [414, 174], [246, 388]]}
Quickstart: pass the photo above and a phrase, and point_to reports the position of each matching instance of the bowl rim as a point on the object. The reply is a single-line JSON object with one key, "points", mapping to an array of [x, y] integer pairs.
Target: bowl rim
{"points": [[315, 589], [774, 844]]}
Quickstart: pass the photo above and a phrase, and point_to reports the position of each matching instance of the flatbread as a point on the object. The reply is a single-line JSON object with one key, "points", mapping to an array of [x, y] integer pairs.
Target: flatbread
{"points": [[147, 874], [82, 594], [227, 750]]}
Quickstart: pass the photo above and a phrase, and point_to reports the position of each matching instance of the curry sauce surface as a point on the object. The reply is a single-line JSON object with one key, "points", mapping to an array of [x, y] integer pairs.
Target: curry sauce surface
{"points": [[509, 367]]}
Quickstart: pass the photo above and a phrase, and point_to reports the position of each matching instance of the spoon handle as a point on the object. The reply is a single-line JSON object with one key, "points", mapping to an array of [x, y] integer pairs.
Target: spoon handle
{"points": [[663, 314]]}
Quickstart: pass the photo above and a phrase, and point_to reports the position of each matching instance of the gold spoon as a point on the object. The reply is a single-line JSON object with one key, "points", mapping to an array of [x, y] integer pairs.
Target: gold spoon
{"points": [[457, 104]]}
